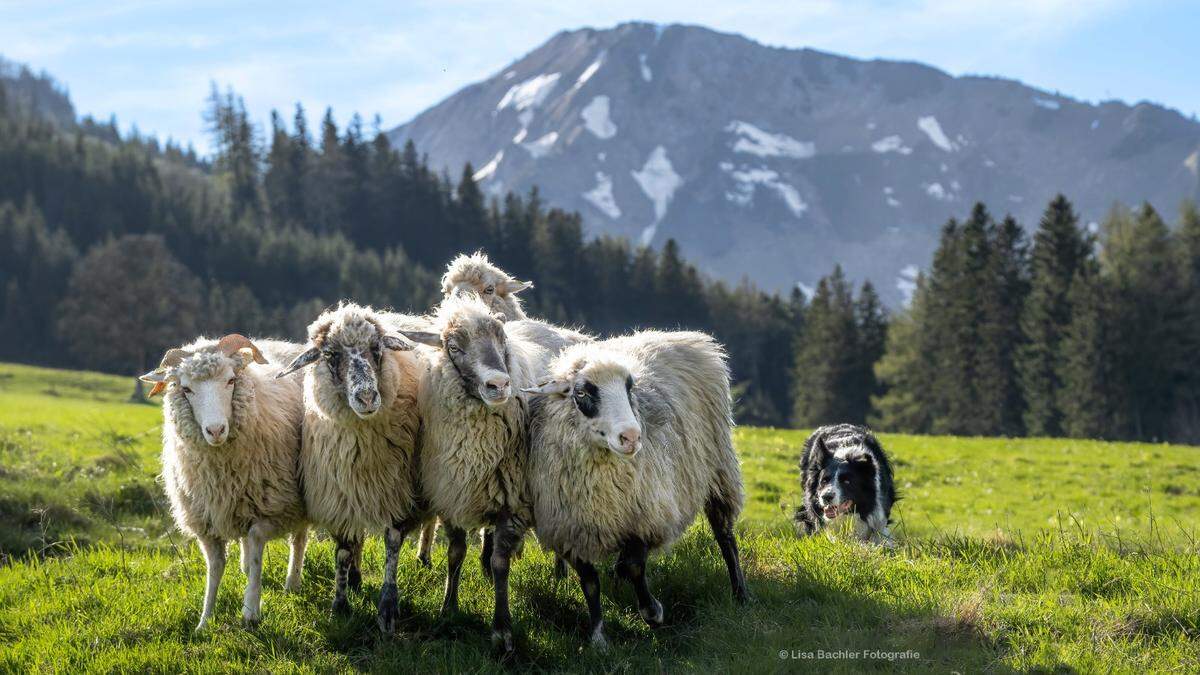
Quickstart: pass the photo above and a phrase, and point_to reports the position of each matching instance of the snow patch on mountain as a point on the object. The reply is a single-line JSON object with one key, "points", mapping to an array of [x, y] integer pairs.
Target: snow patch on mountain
{"points": [[748, 180], [529, 94], [589, 72], [891, 144], [542, 146], [601, 196], [938, 192], [647, 75], [658, 181], [934, 131], [520, 136], [755, 141], [1047, 103], [906, 283], [596, 119], [1193, 163], [488, 170]]}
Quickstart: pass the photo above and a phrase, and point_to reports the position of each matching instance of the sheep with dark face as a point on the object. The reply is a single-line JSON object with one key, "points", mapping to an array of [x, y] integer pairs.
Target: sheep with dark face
{"points": [[476, 275], [474, 438], [359, 451], [230, 460], [629, 440]]}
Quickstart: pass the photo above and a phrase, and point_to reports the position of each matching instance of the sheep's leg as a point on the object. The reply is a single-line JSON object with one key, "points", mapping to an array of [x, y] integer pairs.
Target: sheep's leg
{"points": [[389, 594], [425, 543], [252, 556], [354, 575], [456, 551], [486, 540], [245, 562], [720, 518], [631, 566], [214, 559], [589, 581], [299, 542], [560, 567], [506, 539], [343, 561]]}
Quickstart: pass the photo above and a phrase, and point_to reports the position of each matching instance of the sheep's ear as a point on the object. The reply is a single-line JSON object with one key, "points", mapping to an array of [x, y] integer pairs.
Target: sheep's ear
{"points": [[395, 344], [550, 388], [513, 286], [307, 357], [423, 337], [158, 377]]}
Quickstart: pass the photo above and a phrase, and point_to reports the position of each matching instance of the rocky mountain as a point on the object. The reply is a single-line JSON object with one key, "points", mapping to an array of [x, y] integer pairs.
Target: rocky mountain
{"points": [[777, 163]]}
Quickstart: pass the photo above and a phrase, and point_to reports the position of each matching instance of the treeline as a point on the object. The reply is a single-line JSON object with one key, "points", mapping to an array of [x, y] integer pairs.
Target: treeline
{"points": [[112, 249], [1077, 333]]}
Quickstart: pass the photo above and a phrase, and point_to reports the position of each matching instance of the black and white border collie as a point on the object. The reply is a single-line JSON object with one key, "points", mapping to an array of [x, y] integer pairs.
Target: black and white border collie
{"points": [[844, 470]]}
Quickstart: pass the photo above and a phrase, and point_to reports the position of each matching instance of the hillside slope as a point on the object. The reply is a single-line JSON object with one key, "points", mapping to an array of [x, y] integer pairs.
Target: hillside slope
{"points": [[777, 163]]}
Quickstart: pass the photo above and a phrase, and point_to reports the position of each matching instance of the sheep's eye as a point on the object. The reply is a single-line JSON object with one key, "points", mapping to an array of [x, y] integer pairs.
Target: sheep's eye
{"points": [[489, 290], [453, 348], [628, 383], [187, 391], [231, 381]]}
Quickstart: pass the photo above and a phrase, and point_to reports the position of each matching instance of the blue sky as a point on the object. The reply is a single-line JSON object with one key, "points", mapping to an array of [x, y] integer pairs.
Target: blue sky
{"points": [[150, 63]]}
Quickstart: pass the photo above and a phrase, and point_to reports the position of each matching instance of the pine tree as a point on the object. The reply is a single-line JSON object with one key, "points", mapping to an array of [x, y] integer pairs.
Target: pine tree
{"points": [[907, 371], [1084, 364], [1058, 250], [1003, 292], [1186, 420], [824, 377], [872, 327]]}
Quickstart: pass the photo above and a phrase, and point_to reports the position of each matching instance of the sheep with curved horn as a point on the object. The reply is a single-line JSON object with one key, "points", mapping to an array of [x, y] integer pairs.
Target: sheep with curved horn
{"points": [[230, 460]]}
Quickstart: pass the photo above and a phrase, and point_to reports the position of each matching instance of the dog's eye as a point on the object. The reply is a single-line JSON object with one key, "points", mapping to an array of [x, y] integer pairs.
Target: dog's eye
{"points": [[845, 480]]}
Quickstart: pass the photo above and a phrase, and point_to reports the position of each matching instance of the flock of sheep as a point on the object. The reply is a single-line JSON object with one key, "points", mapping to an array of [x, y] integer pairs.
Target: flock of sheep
{"points": [[474, 416]]}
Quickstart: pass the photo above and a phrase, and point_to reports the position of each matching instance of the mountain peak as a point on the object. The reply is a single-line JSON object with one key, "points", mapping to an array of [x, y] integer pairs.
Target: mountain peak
{"points": [[776, 163]]}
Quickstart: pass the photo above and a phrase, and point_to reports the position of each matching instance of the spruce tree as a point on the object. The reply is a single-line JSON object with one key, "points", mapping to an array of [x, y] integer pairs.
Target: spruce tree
{"points": [[1084, 365], [1186, 418], [1003, 290], [824, 376], [907, 371], [872, 326], [1058, 250]]}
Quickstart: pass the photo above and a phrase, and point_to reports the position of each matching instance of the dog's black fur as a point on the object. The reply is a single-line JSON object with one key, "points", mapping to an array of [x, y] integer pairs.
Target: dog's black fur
{"points": [[844, 469]]}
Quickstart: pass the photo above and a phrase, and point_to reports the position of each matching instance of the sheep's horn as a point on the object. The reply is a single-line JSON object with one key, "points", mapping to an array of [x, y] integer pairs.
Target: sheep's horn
{"points": [[235, 342]]}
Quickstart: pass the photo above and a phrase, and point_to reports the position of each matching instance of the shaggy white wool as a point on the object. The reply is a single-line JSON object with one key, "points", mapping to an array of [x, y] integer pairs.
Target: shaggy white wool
{"points": [[475, 273], [220, 491], [588, 500], [359, 474], [472, 455]]}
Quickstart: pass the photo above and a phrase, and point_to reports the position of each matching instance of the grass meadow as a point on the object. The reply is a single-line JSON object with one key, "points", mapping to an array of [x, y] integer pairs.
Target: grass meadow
{"points": [[1014, 555]]}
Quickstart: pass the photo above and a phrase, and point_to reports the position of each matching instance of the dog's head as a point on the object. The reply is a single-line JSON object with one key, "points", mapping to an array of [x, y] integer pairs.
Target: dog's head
{"points": [[847, 473]]}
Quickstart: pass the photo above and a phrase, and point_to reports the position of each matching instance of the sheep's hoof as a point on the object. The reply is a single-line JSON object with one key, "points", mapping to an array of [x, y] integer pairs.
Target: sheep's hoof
{"points": [[502, 643], [449, 609], [425, 561], [560, 569], [250, 619], [354, 580], [341, 606], [200, 627], [652, 615], [292, 584], [599, 642], [387, 619]]}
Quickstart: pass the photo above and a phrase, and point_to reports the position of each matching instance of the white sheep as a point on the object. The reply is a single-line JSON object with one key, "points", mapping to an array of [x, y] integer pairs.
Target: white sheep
{"points": [[230, 460], [497, 288], [629, 440], [360, 433], [474, 437]]}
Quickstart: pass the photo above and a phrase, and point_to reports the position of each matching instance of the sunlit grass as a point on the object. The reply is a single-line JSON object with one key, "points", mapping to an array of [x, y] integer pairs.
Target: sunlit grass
{"points": [[1015, 554]]}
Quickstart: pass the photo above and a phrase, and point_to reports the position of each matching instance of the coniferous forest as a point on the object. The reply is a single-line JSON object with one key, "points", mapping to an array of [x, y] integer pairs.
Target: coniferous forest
{"points": [[114, 247]]}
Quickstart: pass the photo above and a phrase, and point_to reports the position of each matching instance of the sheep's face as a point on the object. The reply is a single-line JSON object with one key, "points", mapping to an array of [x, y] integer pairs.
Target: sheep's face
{"points": [[350, 347], [604, 395], [207, 381], [473, 340], [475, 275], [206, 378]]}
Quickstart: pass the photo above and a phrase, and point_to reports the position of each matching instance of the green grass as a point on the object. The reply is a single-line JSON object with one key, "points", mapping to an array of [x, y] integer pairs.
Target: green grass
{"points": [[1015, 555]]}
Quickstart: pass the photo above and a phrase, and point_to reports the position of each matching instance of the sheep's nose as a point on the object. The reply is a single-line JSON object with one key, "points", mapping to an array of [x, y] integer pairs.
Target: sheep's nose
{"points": [[215, 431], [368, 399], [497, 385], [629, 439]]}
